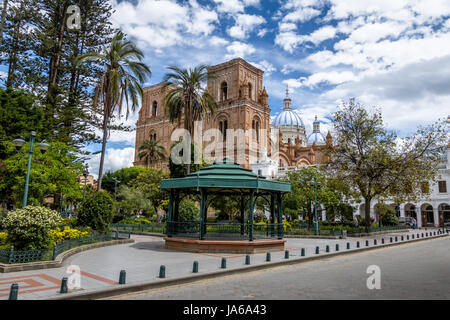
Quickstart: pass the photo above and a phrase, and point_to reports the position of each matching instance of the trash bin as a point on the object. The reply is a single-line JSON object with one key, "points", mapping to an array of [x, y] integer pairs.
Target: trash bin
{"points": [[344, 233]]}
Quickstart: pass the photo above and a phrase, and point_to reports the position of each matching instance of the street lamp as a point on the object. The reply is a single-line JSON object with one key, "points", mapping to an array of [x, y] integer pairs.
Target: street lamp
{"points": [[316, 222], [115, 187], [43, 146], [85, 174]]}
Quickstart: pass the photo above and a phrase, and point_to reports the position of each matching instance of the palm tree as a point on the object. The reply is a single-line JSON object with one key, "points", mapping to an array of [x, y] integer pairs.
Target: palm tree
{"points": [[151, 150], [187, 97], [123, 74]]}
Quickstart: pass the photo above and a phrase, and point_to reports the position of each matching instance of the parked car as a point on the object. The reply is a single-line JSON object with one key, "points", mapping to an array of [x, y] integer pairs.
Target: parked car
{"points": [[405, 221]]}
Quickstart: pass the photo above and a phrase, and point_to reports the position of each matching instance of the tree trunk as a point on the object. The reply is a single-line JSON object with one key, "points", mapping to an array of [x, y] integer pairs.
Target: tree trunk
{"points": [[102, 157], [367, 212], [2, 25]]}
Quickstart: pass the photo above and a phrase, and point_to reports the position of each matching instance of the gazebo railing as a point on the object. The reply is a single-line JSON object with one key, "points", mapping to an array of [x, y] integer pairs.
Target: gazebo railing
{"points": [[189, 229], [230, 231]]}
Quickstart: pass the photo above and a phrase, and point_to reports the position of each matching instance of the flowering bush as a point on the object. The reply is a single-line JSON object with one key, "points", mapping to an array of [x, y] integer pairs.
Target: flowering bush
{"points": [[3, 238], [29, 228], [67, 233], [69, 221]]}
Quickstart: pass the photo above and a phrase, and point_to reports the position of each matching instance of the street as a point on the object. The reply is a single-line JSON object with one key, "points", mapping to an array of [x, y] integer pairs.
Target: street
{"points": [[410, 271]]}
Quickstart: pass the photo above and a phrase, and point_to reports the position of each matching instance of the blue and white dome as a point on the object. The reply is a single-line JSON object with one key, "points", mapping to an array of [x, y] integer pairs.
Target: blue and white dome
{"points": [[287, 117], [316, 136]]}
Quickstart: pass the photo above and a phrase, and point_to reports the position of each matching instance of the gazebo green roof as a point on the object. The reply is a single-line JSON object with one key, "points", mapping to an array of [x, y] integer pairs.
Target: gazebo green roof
{"points": [[225, 176]]}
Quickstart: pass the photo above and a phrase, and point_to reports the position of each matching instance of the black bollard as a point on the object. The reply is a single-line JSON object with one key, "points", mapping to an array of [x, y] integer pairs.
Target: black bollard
{"points": [[122, 277], [375, 242], [14, 292], [303, 252], [348, 245], [268, 256], [391, 239], [247, 259], [382, 240], [63, 285], [396, 238], [401, 238], [195, 267], [286, 254], [162, 271], [367, 243], [317, 250], [407, 237], [224, 263], [357, 244], [327, 248], [337, 247], [412, 236]]}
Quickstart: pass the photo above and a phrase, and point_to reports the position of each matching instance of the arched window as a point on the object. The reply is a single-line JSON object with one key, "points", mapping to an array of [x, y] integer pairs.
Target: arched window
{"points": [[255, 127], [223, 126], [250, 91], [155, 109], [223, 91]]}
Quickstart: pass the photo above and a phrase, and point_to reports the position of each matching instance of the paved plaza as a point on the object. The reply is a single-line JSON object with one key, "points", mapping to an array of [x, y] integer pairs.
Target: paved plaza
{"points": [[403, 276], [100, 268]]}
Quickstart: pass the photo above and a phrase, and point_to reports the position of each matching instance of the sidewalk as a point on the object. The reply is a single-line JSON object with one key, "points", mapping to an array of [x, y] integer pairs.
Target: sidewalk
{"points": [[100, 268]]}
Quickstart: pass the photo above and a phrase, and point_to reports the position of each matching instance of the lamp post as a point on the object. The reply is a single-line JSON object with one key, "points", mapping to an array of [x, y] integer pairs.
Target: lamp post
{"points": [[85, 174], [115, 187], [43, 146], [316, 222]]}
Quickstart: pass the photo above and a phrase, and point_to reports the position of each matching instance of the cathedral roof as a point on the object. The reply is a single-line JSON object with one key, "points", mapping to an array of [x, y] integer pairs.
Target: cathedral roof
{"points": [[287, 117]]}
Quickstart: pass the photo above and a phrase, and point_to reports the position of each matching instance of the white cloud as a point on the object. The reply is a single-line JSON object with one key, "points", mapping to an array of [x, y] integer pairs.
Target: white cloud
{"points": [[301, 15], [244, 24], [289, 40], [265, 66], [164, 23], [239, 50], [234, 6], [115, 159]]}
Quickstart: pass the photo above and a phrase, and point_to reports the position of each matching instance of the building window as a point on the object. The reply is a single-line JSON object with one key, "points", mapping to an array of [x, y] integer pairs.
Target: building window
{"points": [[223, 126], [250, 91], [155, 109], [223, 91], [442, 185]]}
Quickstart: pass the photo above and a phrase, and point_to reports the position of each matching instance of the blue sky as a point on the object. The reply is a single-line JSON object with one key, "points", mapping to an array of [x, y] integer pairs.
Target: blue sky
{"points": [[393, 54]]}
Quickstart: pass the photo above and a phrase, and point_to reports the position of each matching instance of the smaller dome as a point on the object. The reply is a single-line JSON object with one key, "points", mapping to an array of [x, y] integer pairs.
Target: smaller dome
{"points": [[316, 137]]}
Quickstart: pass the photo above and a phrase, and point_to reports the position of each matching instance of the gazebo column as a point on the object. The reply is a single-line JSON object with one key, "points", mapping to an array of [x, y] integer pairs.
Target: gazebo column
{"points": [[175, 214], [272, 215], [242, 214], [250, 217], [203, 214], [170, 215], [280, 218]]}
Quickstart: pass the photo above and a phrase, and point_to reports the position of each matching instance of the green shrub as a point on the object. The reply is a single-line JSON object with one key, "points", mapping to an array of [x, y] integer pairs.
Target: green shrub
{"points": [[388, 215], [188, 211], [96, 212], [29, 228]]}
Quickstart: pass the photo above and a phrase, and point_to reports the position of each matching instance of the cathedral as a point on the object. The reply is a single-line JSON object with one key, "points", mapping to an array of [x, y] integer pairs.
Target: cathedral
{"points": [[237, 87]]}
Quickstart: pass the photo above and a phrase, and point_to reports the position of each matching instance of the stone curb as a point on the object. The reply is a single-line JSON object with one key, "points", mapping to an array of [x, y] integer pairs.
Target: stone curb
{"points": [[15, 267], [137, 287]]}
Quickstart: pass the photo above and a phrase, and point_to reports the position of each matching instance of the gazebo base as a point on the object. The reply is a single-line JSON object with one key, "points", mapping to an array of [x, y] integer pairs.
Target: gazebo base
{"points": [[224, 246]]}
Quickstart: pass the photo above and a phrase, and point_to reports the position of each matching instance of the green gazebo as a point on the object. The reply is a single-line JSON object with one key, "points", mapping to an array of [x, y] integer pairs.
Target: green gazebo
{"points": [[225, 179]]}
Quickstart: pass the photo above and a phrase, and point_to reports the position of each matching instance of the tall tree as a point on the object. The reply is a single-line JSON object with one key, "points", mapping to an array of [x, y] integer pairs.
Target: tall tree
{"points": [[187, 99], [39, 50], [151, 151], [123, 74], [368, 158]]}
